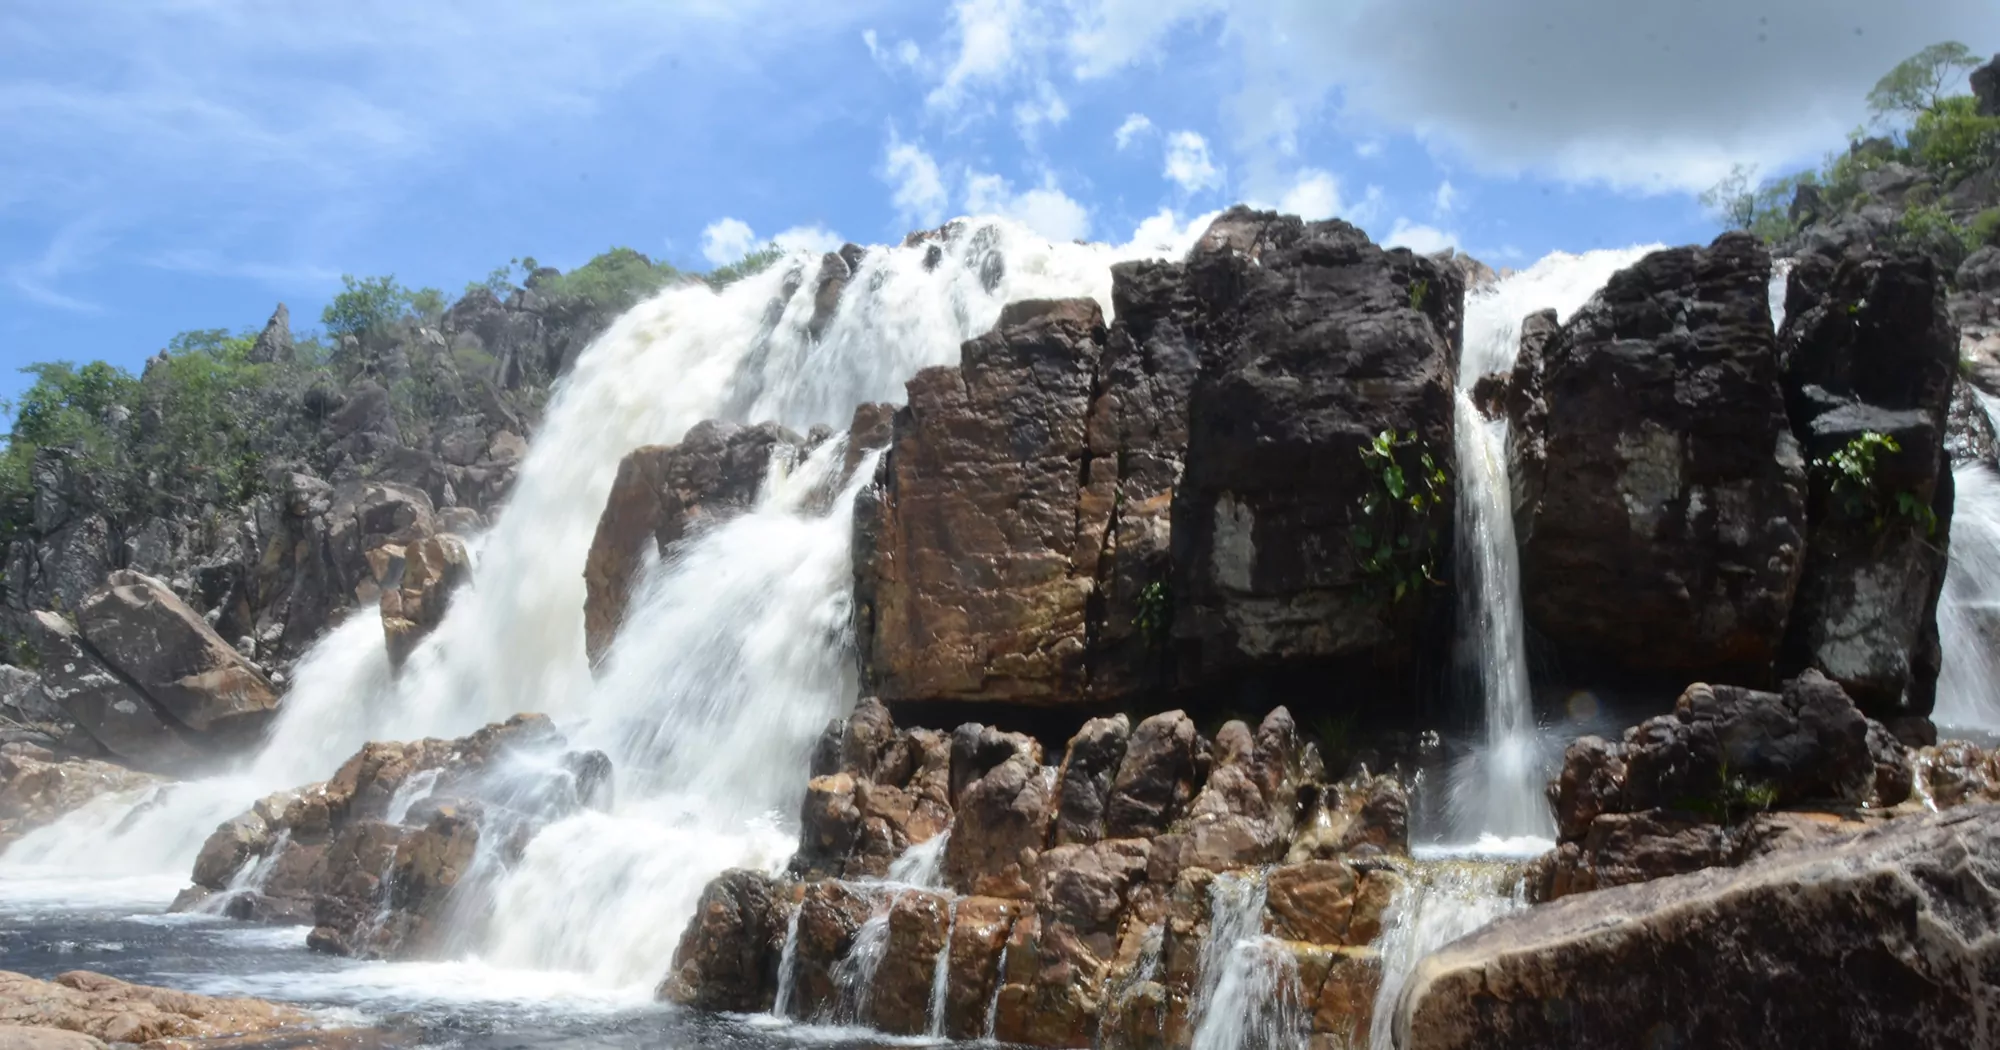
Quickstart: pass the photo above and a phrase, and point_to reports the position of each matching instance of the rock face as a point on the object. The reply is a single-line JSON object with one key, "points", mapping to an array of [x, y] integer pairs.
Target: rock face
{"points": [[1870, 352], [1079, 513], [108, 1009], [1070, 906], [374, 856], [1313, 343], [416, 589], [1665, 532], [35, 789], [112, 711], [1692, 789], [1986, 88], [1885, 939]]}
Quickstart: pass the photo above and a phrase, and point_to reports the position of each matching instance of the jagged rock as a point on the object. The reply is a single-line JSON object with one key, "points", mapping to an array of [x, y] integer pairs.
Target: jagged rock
{"points": [[661, 492], [1084, 785], [35, 789], [1969, 436], [875, 792], [966, 579], [1328, 902], [1685, 791], [115, 713], [274, 343], [830, 914], [417, 588], [1248, 809], [1364, 813], [1314, 342], [1986, 88], [1955, 772], [728, 957], [1878, 940], [1527, 411], [1665, 533], [1869, 350], [980, 930], [1163, 767], [116, 1012], [1003, 800], [901, 998], [152, 639]]}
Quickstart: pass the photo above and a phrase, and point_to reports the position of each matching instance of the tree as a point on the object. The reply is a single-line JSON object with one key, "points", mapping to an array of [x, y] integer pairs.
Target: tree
{"points": [[1916, 86], [1733, 200], [367, 302]]}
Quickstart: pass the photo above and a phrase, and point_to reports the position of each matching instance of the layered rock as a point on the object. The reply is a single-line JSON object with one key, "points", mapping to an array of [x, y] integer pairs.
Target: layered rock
{"points": [[1072, 902], [1664, 523], [417, 585], [1698, 788], [1314, 343], [375, 856], [105, 1008], [1887, 938], [1871, 353], [36, 789]]}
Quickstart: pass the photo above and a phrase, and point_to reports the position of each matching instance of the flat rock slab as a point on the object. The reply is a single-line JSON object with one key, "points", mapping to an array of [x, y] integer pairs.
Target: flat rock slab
{"points": [[92, 1009], [1891, 938]]}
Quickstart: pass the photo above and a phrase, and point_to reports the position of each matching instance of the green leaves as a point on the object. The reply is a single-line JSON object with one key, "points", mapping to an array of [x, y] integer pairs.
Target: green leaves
{"points": [[1394, 545], [1857, 488], [1155, 613], [1916, 86]]}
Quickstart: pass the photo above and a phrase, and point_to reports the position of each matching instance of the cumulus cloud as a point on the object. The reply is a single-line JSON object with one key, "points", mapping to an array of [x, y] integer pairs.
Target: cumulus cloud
{"points": [[816, 239], [1419, 238], [1165, 235], [1046, 209], [1661, 97], [726, 240], [1316, 195], [1045, 108], [1189, 165], [916, 184], [1445, 201], [1129, 132], [903, 53], [991, 38]]}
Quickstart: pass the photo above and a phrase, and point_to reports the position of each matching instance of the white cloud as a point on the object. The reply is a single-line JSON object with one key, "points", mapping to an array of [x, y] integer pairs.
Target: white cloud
{"points": [[74, 247], [1111, 34], [1189, 165], [1365, 210], [1315, 196], [1128, 133], [727, 240], [1419, 238], [903, 53], [1046, 107], [991, 36], [1047, 210], [816, 239], [1445, 201], [1165, 235], [1368, 149], [916, 183]]}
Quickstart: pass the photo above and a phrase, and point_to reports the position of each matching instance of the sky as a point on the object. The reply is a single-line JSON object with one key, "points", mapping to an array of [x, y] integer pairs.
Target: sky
{"points": [[182, 164]]}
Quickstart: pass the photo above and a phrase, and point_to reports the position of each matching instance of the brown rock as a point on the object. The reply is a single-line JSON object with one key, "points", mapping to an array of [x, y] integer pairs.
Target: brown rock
{"points": [[728, 956], [1158, 777], [36, 790], [140, 628], [919, 923], [980, 930], [115, 713], [1084, 786], [116, 1012], [417, 589]]}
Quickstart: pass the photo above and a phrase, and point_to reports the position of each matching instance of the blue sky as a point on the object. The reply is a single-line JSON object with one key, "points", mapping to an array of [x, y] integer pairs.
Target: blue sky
{"points": [[178, 164]]}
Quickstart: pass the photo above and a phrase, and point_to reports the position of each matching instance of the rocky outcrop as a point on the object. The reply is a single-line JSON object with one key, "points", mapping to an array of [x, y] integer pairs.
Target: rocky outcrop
{"points": [[1884, 939], [661, 493], [114, 712], [1698, 788], [153, 640], [1870, 353], [1076, 901], [36, 789], [1293, 550], [1986, 88], [374, 856], [1665, 532], [417, 585], [108, 1009]]}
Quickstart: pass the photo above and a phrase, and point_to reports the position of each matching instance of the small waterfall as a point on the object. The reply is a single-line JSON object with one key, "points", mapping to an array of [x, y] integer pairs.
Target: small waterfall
{"points": [[854, 974], [412, 791], [922, 865], [993, 1004], [788, 966], [1440, 902], [941, 974], [1247, 995], [1496, 790], [1968, 690]]}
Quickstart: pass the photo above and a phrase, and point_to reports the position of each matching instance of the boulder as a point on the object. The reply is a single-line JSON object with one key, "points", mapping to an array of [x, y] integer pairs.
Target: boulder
{"points": [[1164, 764], [417, 588], [1871, 354], [661, 493], [152, 639], [830, 914], [1314, 345], [108, 1009], [1248, 808], [114, 712], [1986, 88], [919, 925], [274, 343], [1003, 798], [1665, 532], [36, 789], [980, 929], [1887, 938], [1083, 787], [875, 792]]}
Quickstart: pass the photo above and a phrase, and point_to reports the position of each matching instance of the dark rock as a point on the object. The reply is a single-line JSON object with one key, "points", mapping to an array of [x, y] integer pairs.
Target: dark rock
{"points": [[1876, 940], [1003, 811], [1164, 763], [274, 343], [727, 959], [1665, 530], [153, 640], [1248, 808], [1986, 88], [1870, 350], [1083, 787], [830, 914], [112, 710]]}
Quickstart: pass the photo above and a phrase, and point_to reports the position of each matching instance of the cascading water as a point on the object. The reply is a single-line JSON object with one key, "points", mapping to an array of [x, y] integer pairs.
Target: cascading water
{"points": [[922, 865], [734, 653], [1439, 904], [1247, 996], [1495, 793], [1968, 691]]}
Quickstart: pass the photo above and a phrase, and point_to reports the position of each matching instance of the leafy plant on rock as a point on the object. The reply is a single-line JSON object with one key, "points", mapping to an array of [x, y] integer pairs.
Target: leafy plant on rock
{"points": [[1858, 490], [1393, 537], [1155, 613]]}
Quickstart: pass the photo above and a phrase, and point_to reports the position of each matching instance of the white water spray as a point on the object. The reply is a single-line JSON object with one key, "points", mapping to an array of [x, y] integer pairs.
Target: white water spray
{"points": [[1247, 996], [1968, 691], [1440, 903]]}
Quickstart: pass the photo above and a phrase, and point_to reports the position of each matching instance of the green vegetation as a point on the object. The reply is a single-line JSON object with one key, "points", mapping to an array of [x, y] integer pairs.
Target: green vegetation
{"points": [[1735, 799], [1394, 539], [1154, 616], [1858, 489], [372, 303], [756, 262], [1916, 86], [1418, 289]]}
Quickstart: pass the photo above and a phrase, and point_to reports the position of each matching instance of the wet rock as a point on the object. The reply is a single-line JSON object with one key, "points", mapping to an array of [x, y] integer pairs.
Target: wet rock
{"points": [[1869, 941], [830, 914], [662, 491], [1955, 772], [1314, 342], [417, 589], [901, 999], [153, 640], [1870, 352], [1084, 785], [1969, 436], [1665, 530], [876, 792], [108, 1009], [1248, 809], [1363, 814], [1004, 800], [1159, 775], [728, 956], [980, 930], [36, 789]]}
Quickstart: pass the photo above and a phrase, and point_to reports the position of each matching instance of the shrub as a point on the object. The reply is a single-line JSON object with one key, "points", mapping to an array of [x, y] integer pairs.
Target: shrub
{"points": [[1394, 540], [611, 282], [754, 263], [1953, 138]]}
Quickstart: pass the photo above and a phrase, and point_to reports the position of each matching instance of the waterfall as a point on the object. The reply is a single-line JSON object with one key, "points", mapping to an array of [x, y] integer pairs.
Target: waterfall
{"points": [[1968, 690], [922, 865], [788, 966], [1439, 903], [941, 973], [1495, 792], [993, 1004], [1247, 991], [854, 974]]}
